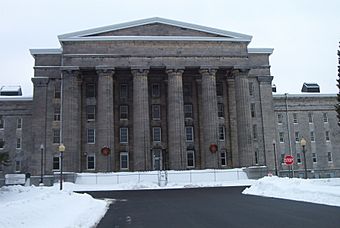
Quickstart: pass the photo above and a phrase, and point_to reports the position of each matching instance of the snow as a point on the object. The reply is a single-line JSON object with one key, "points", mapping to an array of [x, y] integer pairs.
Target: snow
{"points": [[321, 191], [48, 207]]}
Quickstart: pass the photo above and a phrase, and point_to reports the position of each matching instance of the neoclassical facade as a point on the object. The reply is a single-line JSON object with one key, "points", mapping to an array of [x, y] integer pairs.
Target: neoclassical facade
{"points": [[156, 94]]}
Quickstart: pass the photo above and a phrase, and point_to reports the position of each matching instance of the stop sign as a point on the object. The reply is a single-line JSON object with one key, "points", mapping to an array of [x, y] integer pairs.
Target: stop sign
{"points": [[289, 160]]}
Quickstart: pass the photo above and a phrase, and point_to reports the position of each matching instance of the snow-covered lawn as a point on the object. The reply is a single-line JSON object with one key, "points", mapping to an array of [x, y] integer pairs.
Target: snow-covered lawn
{"points": [[48, 207], [322, 191]]}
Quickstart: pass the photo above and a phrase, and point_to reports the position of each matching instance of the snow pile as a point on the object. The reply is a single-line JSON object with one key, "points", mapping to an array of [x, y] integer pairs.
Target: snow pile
{"points": [[48, 207], [322, 191]]}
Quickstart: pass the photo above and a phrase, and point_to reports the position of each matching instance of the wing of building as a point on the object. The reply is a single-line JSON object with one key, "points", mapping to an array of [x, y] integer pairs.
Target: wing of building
{"points": [[147, 95]]}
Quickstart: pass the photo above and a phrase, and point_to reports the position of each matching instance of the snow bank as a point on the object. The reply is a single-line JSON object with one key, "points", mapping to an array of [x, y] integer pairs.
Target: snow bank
{"points": [[322, 191], [48, 207]]}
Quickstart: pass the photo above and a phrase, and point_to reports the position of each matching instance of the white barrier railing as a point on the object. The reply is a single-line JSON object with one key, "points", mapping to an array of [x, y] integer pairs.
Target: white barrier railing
{"points": [[187, 176]]}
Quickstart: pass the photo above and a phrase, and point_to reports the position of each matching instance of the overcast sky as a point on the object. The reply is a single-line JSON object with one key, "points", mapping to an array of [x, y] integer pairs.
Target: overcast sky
{"points": [[303, 33]]}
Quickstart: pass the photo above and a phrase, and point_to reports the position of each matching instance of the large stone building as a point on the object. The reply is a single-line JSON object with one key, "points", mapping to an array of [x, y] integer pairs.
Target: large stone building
{"points": [[160, 94]]}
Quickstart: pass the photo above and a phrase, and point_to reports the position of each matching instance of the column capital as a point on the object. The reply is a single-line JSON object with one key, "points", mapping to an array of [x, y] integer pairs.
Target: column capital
{"points": [[139, 72], [40, 81], [241, 71], [74, 70], [208, 71], [265, 79], [105, 70], [174, 71]]}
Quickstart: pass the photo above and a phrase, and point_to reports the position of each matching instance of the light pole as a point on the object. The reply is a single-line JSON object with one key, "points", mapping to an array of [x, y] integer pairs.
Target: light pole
{"points": [[303, 144], [42, 165], [61, 150], [275, 158]]}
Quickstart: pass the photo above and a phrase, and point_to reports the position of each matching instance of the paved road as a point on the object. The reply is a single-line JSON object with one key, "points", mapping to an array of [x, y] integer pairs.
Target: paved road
{"points": [[211, 207]]}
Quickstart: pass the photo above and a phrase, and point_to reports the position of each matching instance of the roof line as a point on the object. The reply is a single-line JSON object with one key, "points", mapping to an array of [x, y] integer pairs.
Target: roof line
{"points": [[44, 51], [260, 50]]}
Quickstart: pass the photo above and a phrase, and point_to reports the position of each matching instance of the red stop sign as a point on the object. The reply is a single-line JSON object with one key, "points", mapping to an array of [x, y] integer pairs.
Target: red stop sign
{"points": [[289, 160]]}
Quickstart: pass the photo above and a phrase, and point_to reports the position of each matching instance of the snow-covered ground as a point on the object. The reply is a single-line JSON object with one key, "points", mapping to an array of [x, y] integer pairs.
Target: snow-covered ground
{"points": [[321, 191], [48, 207]]}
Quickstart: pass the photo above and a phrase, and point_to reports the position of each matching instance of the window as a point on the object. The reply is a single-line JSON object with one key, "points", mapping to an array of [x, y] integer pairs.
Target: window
{"points": [[56, 162], [17, 166], [252, 110], [19, 123], [91, 112], [190, 159], [189, 134], [123, 136], [223, 158], [56, 113], [57, 91], [2, 123], [187, 92], [325, 117], [124, 160], [188, 111], [219, 89], [155, 90], [220, 108], [327, 136], [156, 112], [123, 90], [91, 164], [312, 137], [295, 120], [221, 133], [297, 138], [255, 132], [298, 158], [2, 143], [56, 135], [256, 157], [282, 158], [310, 117], [314, 157], [251, 89], [282, 137], [18, 143], [123, 112], [279, 118], [329, 157], [90, 90], [157, 134], [91, 136]]}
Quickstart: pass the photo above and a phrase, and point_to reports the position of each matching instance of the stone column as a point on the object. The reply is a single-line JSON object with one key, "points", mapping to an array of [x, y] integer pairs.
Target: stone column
{"points": [[39, 123], [232, 120], [209, 126], [176, 134], [105, 118], [268, 120], [141, 122], [71, 118], [244, 122]]}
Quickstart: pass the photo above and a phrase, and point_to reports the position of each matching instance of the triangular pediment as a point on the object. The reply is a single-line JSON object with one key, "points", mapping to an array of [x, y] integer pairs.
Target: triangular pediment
{"points": [[157, 29], [154, 28]]}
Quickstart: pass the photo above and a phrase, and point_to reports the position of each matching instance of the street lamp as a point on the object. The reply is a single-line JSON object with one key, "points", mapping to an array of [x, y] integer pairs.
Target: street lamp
{"points": [[42, 165], [61, 150], [303, 143], [275, 158]]}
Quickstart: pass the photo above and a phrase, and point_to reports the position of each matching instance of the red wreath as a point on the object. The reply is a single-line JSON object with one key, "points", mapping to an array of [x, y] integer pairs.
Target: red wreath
{"points": [[213, 148], [105, 151]]}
